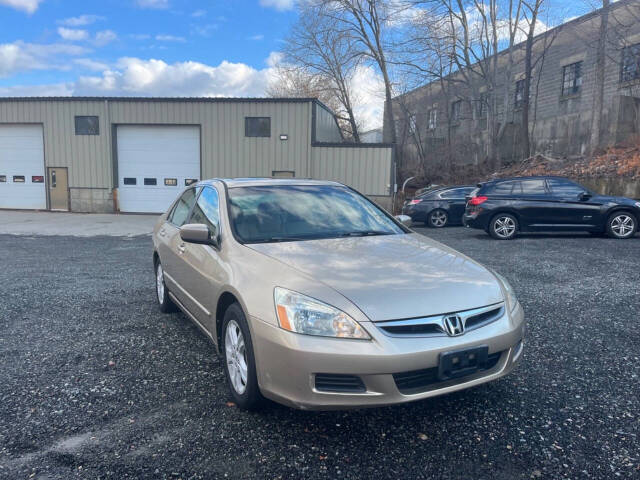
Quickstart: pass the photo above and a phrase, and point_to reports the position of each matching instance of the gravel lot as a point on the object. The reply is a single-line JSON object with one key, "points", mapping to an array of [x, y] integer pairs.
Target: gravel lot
{"points": [[96, 383]]}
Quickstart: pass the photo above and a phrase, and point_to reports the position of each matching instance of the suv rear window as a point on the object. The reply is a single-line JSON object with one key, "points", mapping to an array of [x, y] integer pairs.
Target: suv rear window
{"points": [[533, 187], [502, 188]]}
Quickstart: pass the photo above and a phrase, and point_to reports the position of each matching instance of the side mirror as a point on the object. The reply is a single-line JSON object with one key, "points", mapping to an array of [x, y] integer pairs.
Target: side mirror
{"points": [[584, 196], [404, 219], [199, 233]]}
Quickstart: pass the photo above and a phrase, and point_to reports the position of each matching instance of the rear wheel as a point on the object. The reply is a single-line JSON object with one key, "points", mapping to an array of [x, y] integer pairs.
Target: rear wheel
{"points": [[438, 218], [622, 225], [162, 293], [503, 226], [239, 360]]}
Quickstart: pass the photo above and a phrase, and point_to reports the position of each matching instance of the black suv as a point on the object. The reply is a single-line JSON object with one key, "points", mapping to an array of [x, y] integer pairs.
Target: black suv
{"points": [[532, 204]]}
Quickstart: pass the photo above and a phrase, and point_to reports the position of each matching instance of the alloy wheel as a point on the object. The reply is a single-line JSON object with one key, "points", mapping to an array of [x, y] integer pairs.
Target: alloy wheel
{"points": [[160, 284], [438, 218], [236, 356], [504, 227], [622, 225]]}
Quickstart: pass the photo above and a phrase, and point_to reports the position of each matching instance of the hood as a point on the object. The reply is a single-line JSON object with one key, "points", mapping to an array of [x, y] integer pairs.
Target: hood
{"points": [[607, 199], [392, 276]]}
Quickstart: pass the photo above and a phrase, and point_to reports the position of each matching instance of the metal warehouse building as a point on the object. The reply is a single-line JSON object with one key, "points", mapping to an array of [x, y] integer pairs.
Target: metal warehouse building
{"points": [[137, 154]]}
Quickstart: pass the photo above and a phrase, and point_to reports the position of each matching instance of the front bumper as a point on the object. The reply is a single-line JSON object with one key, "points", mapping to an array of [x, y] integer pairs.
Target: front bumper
{"points": [[287, 362]]}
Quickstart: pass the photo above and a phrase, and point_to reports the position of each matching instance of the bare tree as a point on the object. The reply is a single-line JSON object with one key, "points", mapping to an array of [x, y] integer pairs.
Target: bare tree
{"points": [[317, 44], [367, 23]]}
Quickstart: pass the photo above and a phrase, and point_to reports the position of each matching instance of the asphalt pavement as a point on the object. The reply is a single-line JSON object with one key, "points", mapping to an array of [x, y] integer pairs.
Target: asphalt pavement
{"points": [[96, 383]]}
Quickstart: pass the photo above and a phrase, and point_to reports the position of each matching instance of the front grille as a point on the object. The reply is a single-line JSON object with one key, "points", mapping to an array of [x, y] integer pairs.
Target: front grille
{"points": [[333, 382], [418, 381], [433, 326]]}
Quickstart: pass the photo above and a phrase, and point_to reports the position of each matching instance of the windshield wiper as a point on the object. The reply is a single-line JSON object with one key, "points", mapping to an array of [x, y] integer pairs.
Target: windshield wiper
{"points": [[365, 233], [282, 239]]}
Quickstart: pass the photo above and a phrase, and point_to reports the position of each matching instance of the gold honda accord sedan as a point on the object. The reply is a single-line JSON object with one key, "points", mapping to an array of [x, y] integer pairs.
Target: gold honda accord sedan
{"points": [[318, 299]]}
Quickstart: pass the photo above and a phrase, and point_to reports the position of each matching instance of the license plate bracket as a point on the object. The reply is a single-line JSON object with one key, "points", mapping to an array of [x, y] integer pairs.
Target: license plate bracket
{"points": [[460, 363]]}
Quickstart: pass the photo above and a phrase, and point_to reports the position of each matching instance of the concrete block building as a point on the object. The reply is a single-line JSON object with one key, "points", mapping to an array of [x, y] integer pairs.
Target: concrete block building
{"points": [[561, 103]]}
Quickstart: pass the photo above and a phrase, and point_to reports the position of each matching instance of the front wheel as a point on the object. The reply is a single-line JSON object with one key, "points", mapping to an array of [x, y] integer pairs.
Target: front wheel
{"points": [[503, 226], [622, 225], [239, 360], [438, 218]]}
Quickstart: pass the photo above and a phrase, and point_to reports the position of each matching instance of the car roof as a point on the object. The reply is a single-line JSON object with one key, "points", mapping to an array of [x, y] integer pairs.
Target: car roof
{"points": [[266, 181], [530, 177]]}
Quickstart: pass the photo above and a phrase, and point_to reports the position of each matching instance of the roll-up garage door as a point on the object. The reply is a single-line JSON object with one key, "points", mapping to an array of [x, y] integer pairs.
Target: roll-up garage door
{"points": [[155, 163], [22, 178]]}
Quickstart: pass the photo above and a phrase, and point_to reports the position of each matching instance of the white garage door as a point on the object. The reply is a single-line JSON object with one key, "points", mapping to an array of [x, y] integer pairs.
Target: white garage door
{"points": [[155, 163], [22, 167]]}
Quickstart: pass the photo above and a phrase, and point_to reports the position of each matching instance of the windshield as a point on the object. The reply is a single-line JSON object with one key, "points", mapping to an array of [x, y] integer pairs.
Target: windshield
{"points": [[280, 213]]}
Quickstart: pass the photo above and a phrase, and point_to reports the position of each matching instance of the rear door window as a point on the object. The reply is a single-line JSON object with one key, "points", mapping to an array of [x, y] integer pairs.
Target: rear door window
{"points": [[533, 186]]}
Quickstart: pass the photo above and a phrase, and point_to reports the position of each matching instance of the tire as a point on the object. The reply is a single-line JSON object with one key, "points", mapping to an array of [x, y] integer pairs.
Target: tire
{"points": [[503, 226], [438, 218], [622, 225], [162, 292], [237, 349]]}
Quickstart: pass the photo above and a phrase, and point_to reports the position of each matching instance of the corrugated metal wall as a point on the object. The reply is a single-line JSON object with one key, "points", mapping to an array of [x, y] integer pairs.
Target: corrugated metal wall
{"points": [[326, 127], [225, 151], [88, 157], [368, 170]]}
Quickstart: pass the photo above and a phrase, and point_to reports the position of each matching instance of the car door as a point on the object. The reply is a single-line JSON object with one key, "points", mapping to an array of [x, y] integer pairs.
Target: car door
{"points": [[455, 202], [170, 243], [534, 204], [572, 211], [202, 271]]}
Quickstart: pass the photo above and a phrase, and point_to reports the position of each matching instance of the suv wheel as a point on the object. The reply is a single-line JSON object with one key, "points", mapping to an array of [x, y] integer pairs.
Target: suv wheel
{"points": [[239, 360], [162, 293], [438, 218], [622, 225], [503, 226]]}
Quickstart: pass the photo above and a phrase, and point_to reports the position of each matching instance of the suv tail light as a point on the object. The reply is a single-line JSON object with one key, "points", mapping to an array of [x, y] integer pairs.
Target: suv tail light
{"points": [[415, 201], [478, 200]]}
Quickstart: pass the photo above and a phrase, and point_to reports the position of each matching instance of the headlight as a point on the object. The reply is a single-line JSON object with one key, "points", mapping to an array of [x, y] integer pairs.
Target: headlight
{"points": [[512, 301], [637, 204], [301, 314]]}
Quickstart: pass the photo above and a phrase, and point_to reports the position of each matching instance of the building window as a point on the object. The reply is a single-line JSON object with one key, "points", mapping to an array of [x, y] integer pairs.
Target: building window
{"points": [[433, 119], [87, 126], [456, 111], [519, 96], [482, 105], [571, 79], [257, 126], [412, 124], [630, 63]]}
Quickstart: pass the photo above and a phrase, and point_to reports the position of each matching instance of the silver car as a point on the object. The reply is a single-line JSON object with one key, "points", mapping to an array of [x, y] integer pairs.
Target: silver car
{"points": [[318, 299]]}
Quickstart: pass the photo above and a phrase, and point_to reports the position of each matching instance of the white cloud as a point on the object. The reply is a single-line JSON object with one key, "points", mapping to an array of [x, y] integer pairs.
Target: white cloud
{"points": [[135, 76], [170, 38], [104, 37], [278, 4], [153, 3], [89, 64], [21, 57], [367, 88], [73, 34], [256, 37], [199, 13], [81, 21], [205, 30], [140, 36], [53, 90], [28, 6]]}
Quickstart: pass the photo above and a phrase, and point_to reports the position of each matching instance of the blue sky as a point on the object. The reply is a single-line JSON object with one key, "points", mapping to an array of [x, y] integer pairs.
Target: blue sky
{"points": [[157, 47], [162, 48]]}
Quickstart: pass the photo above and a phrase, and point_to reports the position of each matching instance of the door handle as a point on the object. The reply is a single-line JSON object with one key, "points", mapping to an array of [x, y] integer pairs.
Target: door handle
{"points": [[161, 232], [181, 248]]}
